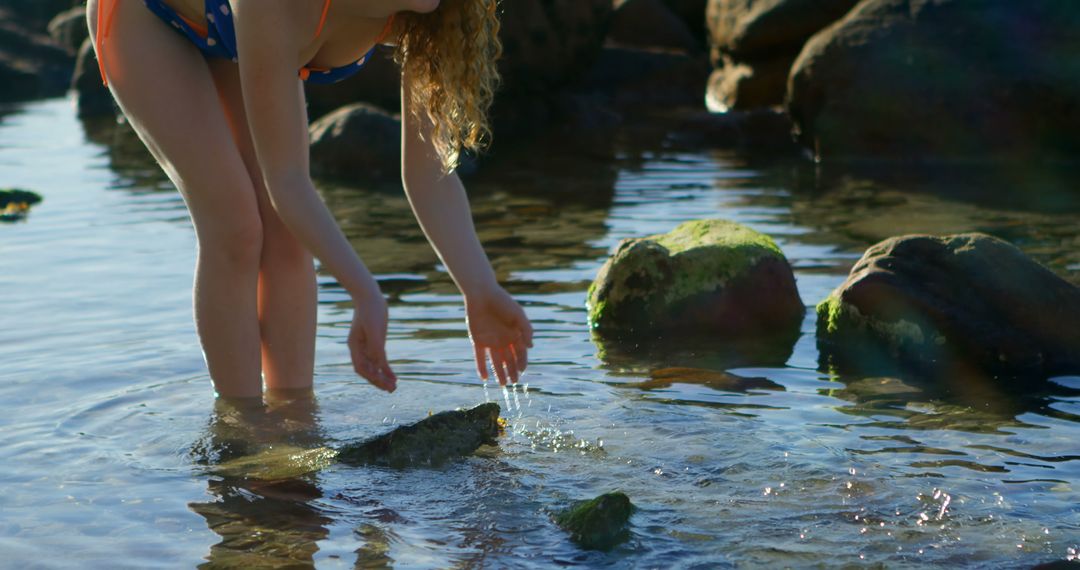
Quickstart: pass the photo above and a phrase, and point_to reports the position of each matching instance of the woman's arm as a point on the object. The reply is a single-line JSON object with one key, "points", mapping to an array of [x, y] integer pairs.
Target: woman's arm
{"points": [[267, 37], [498, 327]]}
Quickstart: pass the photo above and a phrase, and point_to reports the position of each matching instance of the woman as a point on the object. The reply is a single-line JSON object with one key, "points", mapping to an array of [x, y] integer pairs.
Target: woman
{"points": [[213, 88]]}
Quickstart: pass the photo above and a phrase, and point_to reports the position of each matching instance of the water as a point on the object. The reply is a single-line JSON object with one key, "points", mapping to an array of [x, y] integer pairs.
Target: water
{"points": [[110, 426]]}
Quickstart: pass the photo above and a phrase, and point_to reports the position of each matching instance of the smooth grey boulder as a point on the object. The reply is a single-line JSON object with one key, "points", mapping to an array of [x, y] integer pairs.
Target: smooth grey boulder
{"points": [[951, 307], [942, 79], [358, 143]]}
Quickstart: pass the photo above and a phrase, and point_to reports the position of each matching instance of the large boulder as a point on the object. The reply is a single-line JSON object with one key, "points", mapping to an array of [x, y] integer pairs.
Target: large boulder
{"points": [[705, 276], [358, 142], [68, 29], [92, 98], [650, 24], [34, 15], [600, 523], [31, 64], [948, 306], [754, 43], [941, 78]]}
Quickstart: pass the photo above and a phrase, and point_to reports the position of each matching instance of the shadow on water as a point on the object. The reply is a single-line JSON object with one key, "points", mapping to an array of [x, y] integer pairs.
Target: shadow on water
{"points": [[262, 523]]}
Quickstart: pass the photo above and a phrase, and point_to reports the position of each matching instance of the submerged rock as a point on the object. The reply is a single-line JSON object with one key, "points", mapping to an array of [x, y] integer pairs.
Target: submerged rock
{"points": [[705, 276], [715, 379], [600, 523], [950, 307], [15, 203], [937, 79], [428, 443]]}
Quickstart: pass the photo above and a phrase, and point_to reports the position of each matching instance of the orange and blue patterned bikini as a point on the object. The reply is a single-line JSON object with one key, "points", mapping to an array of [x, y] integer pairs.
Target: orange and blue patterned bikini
{"points": [[218, 37]]}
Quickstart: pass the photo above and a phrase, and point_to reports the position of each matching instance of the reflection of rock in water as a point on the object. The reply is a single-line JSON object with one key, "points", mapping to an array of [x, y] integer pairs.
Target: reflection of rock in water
{"points": [[534, 208], [128, 156], [716, 379], [699, 351], [375, 552]]}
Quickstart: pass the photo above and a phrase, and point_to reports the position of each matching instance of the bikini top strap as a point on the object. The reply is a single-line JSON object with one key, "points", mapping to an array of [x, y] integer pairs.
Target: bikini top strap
{"points": [[386, 29], [322, 18]]}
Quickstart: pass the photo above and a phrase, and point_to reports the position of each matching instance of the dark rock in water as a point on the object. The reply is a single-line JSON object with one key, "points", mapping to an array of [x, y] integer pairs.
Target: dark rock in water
{"points": [[705, 276], [93, 99], [952, 307], [15, 203], [692, 13], [650, 24], [956, 79], [637, 76], [600, 523], [68, 29], [31, 64], [715, 379], [429, 442], [359, 143], [760, 130], [379, 84], [34, 15], [755, 42], [1071, 564]]}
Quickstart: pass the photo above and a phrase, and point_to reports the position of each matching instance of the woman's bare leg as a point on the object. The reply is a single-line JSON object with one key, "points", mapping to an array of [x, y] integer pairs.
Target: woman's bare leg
{"points": [[166, 90], [287, 287]]}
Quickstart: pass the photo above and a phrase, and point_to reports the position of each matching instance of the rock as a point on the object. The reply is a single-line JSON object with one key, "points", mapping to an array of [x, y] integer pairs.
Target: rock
{"points": [[955, 79], [705, 276], [747, 85], [761, 130], [358, 143], [429, 442], [600, 523], [952, 306], [34, 15], [633, 76], [68, 29], [31, 65], [15, 203], [692, 13], [650, 24], [715, 379], [92, 98], [755, 42], [378, 83]]}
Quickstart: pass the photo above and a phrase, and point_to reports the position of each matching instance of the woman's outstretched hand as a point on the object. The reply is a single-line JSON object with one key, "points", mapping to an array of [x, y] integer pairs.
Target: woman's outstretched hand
{"points": [[501, 332], [367, 342]]}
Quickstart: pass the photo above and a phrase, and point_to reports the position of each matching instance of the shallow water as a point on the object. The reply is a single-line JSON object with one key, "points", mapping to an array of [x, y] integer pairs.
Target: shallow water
{"points": [[111, 430]]}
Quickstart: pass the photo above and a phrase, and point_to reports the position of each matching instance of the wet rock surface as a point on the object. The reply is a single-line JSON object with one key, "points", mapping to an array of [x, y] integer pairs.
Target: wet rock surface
{"points": [[600, 523], [31, 64], [952, 307], [429, 442], [359, 142], [942, 79], [709, 276], [754, 43]]}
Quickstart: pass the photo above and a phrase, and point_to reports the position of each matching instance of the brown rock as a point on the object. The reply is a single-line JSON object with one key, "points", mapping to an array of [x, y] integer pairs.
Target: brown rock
{"points": [[359, 143], [650, 24]]}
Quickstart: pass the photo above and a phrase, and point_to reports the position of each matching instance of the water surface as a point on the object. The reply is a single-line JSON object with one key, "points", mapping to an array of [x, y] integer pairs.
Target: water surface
{"points": [[111, 429]]}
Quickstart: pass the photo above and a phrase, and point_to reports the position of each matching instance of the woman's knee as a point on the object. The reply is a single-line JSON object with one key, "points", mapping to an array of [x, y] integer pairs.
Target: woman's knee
{"points": [[236, 242]]}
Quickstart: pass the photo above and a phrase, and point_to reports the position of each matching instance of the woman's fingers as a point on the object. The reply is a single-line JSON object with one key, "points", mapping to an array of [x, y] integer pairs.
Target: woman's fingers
{"points": [[521, 356], [481, 361]]}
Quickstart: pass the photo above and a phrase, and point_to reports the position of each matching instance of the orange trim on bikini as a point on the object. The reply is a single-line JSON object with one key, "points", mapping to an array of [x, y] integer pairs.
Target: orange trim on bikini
{"points": [[322, 19], [203, 31], [102, 33]]}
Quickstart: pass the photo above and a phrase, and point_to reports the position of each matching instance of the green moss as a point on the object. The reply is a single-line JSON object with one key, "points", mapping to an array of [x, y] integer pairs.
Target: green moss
{"points": [[17, 196], [280, 462], [658, 271], [600, 523], [837, 317]]}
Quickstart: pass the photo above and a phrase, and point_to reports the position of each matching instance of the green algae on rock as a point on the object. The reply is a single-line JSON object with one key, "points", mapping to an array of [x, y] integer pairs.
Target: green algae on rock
{"points": [[600, 523], [951, 307], [14, 203], [710, 276], [429, 442]]}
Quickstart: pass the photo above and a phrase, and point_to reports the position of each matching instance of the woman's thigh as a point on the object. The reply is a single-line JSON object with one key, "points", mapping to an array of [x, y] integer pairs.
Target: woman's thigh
{"points": [[165, 88]]}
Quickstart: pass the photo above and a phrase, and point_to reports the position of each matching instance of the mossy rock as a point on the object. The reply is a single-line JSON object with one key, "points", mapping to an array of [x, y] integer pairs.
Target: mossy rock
{"points": [[15, 203], [951, 307], [600, 523], [705, 276], [429, 442]]}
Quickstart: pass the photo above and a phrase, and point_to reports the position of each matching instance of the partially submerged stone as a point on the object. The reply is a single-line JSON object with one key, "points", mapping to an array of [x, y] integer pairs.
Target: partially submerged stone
{"points": [[715, 379], [600, 523], [952, 307], [15, 203], [429, 442], [705, 276]]}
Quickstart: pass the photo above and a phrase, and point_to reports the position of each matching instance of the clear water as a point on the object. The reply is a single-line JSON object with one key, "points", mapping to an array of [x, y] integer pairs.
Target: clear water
{"points": [[108, 419]]}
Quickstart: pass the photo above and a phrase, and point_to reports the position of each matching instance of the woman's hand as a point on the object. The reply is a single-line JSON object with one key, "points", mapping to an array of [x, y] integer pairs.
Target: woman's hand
{"points": [[367, 342], [500, 331]]}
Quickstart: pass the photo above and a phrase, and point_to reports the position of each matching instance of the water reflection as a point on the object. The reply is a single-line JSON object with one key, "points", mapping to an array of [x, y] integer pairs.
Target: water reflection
{"points": [[265, 524]]}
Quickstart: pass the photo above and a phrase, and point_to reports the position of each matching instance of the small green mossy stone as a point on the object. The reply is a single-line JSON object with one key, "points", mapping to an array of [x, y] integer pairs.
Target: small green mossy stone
{"points": [[705, 275], [598, 524]]}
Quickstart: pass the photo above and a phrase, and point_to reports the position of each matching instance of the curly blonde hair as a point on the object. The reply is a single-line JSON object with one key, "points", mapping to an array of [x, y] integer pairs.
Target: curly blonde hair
{"points": [[449, 56]]}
